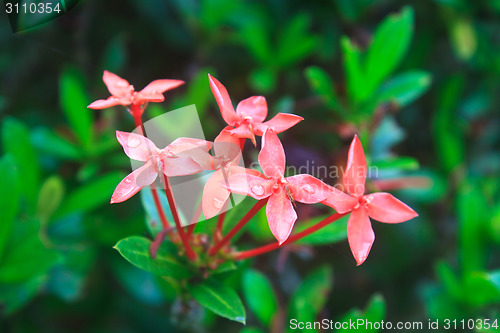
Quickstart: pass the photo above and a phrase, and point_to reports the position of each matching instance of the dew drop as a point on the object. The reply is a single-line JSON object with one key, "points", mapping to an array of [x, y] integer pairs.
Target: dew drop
{"points": [[218, 203], [309, 189], [133, 142], [127, 181], [258, 189]]}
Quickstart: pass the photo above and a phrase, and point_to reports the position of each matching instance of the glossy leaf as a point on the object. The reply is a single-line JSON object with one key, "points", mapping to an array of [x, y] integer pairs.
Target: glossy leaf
{"points": [[323, 86], [311, 296], [374, 312], [389, 45], [219, 298], [404, 88], [50, 197], [49, 142], [136, 250], [356, 85], [9, 200], [90, 196], [334, 232], [259, 295], [16, 142], [74, 101]]}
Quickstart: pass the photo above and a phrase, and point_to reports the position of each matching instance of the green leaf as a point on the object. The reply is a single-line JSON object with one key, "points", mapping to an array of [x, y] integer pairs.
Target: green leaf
{"points": [[219, 298], [136, 250], [374, 312], [451, 283], [90, 196], [74, 102], [295, 41], [49, 142], [259, 295], [14, 296], [399, 163], [463, 38], [27, 259], [404, 88], [227, 266], [9, 200], [311, 296], [323, 86], [447, 131], [356, 81], [16, 142], [50, 197], [257, 41], [334, 232], [251, 330], [263, 79], [483, 288], [389, 45]]}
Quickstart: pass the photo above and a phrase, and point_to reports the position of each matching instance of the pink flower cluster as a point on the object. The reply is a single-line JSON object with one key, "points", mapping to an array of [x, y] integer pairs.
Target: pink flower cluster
{"points": [[186, 156]]}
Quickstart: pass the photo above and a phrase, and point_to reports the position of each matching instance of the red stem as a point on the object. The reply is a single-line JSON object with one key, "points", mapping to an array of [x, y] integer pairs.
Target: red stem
{"points": [[173, 207], [220, 224], [273, 246], [194, 221], [251, 213], [156, 197]]}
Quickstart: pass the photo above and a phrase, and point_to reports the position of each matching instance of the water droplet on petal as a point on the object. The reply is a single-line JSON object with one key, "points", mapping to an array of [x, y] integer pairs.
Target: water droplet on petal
{"points": [[218, 203], [309, 189], [258, 189], [133, 142], [127, 181]]}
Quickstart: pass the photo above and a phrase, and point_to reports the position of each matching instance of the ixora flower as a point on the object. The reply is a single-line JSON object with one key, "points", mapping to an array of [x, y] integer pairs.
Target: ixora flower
{"points": [[380, 206], [173, 160], [248, 119], [227, 151], [282, 192], [123, 93]]}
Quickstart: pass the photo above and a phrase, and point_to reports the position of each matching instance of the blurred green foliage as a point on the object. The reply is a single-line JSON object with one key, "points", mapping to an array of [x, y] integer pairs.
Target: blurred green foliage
{"points": [[418, 81]]}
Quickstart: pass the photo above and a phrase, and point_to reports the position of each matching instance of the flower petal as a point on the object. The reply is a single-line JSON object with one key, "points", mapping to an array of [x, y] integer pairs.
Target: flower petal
{"points": [[136, 146], [384, 207], [116, 85], [203, 144], [182, 148], [249, 183], [272, 155], [279, 123], [130, 185], [104, 103], [254, 107], [214, 195], [307, 189], [160, 86], [143, 97], [223, 100], [242, 131], [355, 173], [180, 166], [280, 215], [228, 146], [360, 234], [340, 201]]}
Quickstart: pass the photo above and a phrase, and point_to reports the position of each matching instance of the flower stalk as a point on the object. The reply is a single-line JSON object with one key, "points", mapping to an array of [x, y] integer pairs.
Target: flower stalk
{"points": [[293, 238], [248, 216]]}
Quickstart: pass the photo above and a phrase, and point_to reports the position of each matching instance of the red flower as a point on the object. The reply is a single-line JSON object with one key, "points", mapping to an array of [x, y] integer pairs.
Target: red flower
{"points": [[250, 113], [173, 160], [122, 93], [282, 192], [380, 206]]}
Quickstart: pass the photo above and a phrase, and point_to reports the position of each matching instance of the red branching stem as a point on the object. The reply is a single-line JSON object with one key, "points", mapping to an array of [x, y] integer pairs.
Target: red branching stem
{"points": [[175, 214], [273, 246], [156, 198], [248, 216], [220, 224], [194, 221]]}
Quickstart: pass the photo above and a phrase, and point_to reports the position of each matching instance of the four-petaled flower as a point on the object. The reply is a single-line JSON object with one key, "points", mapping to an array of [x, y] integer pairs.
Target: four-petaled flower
{"points": [[173, 160], [282, 192], [381, 206], [248, 119], [123, 93]]}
